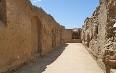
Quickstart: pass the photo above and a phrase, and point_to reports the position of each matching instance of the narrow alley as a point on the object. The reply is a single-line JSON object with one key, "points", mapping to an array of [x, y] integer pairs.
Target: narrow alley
{"points": [[69, 58], [51, 36]]}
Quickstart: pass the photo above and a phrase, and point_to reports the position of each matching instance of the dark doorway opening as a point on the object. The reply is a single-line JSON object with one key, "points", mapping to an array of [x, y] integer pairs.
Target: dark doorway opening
{"points": [[3, 17], [75, 35]]}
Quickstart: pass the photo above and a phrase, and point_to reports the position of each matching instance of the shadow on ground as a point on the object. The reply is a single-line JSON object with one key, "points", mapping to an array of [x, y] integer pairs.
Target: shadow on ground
{"points": [[39, 64]]}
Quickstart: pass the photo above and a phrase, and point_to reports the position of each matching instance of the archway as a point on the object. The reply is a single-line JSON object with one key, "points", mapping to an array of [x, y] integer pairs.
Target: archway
{"points": [[75, 35], [3, 16], [53, 37], [36, 36]]}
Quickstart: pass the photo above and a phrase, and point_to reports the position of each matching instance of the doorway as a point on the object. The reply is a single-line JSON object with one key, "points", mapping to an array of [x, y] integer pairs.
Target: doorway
{"points": [[36, 36]]}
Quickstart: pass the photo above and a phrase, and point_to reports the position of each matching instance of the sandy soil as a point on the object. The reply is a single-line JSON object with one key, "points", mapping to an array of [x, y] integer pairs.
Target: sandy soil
{"points": [[69, 58]]}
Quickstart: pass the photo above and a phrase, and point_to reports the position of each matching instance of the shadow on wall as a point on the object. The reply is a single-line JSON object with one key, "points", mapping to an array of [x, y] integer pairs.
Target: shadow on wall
{"points": [[40, 64]]}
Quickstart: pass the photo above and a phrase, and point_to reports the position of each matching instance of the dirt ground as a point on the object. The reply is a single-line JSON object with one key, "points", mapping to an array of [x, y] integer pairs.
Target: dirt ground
{"points": [[69, 58]]}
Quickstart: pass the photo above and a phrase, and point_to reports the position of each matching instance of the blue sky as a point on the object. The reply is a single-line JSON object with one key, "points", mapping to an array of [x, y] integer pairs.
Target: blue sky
{"points": [[69, 13]]}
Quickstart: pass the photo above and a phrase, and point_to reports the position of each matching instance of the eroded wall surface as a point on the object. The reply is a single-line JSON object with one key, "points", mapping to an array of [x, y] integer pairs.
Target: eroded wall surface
{"points": [[26, 31], [15, 34], [98, 33]]}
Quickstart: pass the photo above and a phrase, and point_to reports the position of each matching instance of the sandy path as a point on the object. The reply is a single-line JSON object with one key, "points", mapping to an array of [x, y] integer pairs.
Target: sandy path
{"points": [[70, 58]]}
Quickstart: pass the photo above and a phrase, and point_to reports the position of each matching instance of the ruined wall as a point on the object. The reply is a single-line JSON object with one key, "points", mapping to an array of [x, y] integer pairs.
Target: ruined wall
{"points": [[50, 33], [98, 33], [86, 31], [26, 31], [46, 33], [94, 30], [15, 37], [102, 20]]}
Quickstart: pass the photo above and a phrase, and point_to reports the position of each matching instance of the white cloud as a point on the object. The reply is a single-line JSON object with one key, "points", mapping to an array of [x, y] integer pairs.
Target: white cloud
{"points": [[35, 0]]}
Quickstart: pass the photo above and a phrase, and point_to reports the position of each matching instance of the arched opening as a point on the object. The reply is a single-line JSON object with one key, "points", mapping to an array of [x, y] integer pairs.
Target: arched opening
{"points": [[36, 28], [53, 37], [75, 35], [3, 11], [60, 36]]}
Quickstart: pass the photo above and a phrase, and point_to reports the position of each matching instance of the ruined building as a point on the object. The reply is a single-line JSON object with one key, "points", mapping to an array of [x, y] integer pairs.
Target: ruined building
{"points": [[98, 34], [27, 31]]}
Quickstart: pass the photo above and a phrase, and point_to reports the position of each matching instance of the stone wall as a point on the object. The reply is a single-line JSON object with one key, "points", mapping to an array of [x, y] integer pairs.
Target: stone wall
{"points": [[27, 31], [67, 32], [15, 37], [98, 32]]}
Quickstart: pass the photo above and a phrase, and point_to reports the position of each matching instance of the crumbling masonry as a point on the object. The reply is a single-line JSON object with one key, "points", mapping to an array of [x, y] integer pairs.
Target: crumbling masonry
{"points": [[99, 35]]}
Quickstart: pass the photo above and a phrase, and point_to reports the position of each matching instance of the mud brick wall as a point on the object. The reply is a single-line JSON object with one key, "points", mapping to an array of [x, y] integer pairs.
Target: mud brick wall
{"points": [[28, 31], [15, 45]]}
